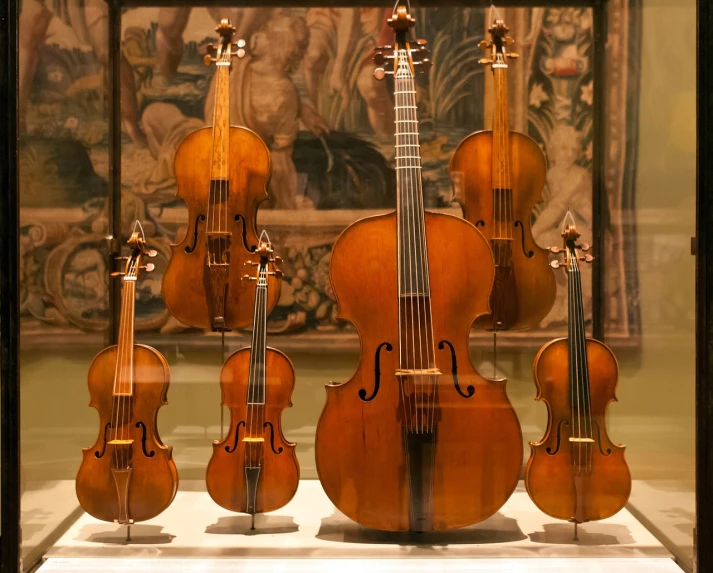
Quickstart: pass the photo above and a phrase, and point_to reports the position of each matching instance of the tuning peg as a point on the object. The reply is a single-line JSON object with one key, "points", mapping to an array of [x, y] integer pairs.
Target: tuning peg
{"points": [[555, 250], [381, 59], [149, 267], [121, 258], [248, 278], [380, 73], [484, 45], [587, 258], [384, 49], [555, 264], [513, 55], [485, 61], [238, 49], [584, 247], [421, 42], [152, 253], [425, 65], [117, 274], [276, 259], [277, 274], [509, 41], [210, 54], [250, 264]]}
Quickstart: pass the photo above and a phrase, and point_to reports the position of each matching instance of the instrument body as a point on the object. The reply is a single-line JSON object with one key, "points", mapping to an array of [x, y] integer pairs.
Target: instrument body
{"points": [[128, 475], [254, 469], [499, 176], [576, 472], [221, 174], [416, 439]]}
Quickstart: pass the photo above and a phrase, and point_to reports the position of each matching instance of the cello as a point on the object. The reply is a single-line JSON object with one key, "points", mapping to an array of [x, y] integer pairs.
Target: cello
{"points": [[416, 440], [576, 472], [254, 469], [128, 475], [499, 176], [222, 173]]}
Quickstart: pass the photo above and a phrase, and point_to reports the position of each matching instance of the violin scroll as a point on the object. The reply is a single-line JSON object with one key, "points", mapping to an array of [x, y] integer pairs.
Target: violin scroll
{"points": [[570, 236], [495, 49], [227, 50], [386, 57]]}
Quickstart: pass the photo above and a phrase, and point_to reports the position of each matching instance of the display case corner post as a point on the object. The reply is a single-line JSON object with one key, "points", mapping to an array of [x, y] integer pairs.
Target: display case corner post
{"points": [[703, 533], [9, 293]]}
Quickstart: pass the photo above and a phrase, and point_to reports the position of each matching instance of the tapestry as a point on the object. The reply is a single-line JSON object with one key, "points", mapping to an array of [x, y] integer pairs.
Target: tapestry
{"points": [[307, 88]]}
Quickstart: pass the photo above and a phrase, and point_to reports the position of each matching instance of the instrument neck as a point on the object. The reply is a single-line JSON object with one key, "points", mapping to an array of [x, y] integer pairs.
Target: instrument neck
{"points": [[580, 399], [124, 374], [221, 122], [413, 253], [256, 383], [501, 180]]}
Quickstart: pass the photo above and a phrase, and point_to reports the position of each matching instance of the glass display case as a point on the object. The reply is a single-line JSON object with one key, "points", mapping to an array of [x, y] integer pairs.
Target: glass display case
{"points": [[296, 283]]}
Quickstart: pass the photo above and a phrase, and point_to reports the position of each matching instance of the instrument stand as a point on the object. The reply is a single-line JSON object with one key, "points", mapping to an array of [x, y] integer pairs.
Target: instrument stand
{"points": [[128, 533], [222, 361], [576, 535], [495, 355], [252, 522]]}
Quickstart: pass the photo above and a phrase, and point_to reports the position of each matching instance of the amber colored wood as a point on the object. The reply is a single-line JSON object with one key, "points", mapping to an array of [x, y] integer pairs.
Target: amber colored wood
{"points": [[531, 289], [184, 283], [359, 445], [154, 480], [279, 475], [549, 478]]}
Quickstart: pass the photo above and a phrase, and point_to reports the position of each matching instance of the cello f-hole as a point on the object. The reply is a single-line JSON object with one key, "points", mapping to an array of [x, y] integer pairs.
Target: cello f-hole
{"points": [[470, 389], [244, 233], [559, 438], [143, 440], [480, 223], [237, 436], [272, 438], [528, 254], [377, 372], [98, 455], [199, 219]]}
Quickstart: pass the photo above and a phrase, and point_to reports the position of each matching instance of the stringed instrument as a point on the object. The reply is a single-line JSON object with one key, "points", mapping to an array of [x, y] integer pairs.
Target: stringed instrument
{"points": [[499, 176], [128, 475], [416, 440], [222, 174], [254, 469], [576, 472]]}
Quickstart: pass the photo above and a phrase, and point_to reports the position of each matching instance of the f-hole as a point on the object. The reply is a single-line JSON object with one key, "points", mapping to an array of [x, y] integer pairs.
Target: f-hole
{"points": [[244, 233], [143, 440], [98, 455], [528, 254], [559, 438], [599, 441], [272, 438], [480, 223], [470, 389], [377, 372], [237, 435], [199, 219]]}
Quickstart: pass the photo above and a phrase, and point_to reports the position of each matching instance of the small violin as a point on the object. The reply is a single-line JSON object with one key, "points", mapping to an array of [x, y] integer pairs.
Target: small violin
{"points": [[254, 469], [128, 475], [221, 173], [576, 472]]}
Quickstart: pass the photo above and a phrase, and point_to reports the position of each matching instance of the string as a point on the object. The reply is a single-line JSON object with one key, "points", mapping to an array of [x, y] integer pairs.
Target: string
{"points": [[584, 375]]}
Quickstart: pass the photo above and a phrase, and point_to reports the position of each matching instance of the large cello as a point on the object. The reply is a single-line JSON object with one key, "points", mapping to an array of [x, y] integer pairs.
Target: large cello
{"points": [[416, 440], [221, 173], [498, 176], [128, 475], [254, 469], [576, 472]]}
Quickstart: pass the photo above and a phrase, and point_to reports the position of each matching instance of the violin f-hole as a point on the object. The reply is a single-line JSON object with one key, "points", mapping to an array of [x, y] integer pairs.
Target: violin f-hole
{"points": [[599, 440], [244, 233], [470, 389], [229, 449], [272, 438], [559, 438], [377, 372], [528, 254], [199, 219], [99, 455], [143, 440], [480, 223]]}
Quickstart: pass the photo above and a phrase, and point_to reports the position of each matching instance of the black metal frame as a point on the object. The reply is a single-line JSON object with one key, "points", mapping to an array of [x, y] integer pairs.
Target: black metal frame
{"points": [[9, 232]]}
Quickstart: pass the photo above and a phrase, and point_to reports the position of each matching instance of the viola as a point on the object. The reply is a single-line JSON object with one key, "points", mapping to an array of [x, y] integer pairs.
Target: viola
{"points": [[128, 475], [416, 440], [499, 176], [221, 173], [576, 472], [254, 469]]}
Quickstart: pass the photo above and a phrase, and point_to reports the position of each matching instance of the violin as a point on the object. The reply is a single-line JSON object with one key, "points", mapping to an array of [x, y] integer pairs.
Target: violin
{"points": [[254, 469], [499, 176], [221, 173], [576, 472], [416, 440], [128, 475]]}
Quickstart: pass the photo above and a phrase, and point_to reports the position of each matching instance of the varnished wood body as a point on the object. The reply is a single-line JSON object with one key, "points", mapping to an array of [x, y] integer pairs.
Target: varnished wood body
{"points": [[154, 479], [359, 445], [279, 475], [184, 283], [530, 291], [549, 478]]}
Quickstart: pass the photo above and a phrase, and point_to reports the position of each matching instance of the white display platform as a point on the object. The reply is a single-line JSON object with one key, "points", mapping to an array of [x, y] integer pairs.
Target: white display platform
{"points": [[310, 527]]}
